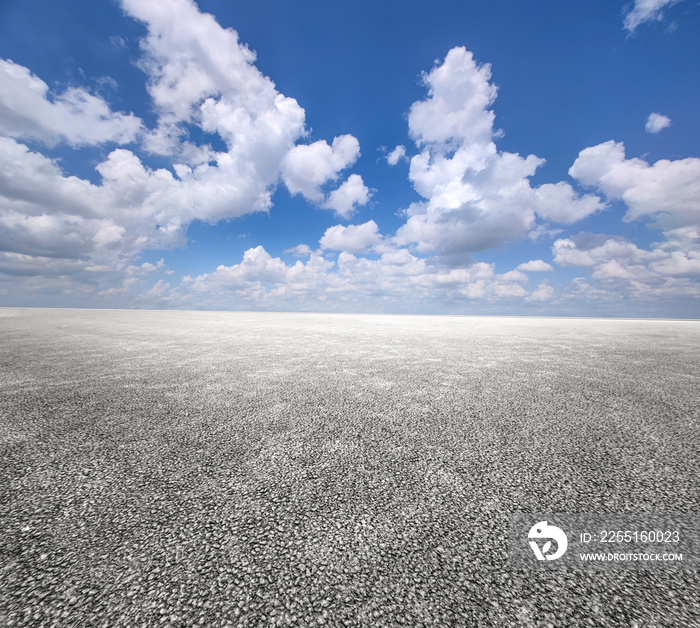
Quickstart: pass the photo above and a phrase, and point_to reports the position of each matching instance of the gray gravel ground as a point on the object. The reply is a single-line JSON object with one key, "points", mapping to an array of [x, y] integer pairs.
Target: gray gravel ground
{"points": [[251, 469]]}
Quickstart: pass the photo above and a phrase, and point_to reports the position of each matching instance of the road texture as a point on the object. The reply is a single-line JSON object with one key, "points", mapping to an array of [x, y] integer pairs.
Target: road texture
{"points": [[257, 469]]}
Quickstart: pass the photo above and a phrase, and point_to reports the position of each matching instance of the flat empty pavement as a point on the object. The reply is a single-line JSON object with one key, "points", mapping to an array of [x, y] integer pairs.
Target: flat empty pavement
{"points": [[256, 469]]}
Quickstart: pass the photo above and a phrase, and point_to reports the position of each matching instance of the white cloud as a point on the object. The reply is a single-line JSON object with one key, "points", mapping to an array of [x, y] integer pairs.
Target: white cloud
{"points": [[476, 197], [189, 57], [160, 289], [396, 257], [680, 239], [300, 250], [397, 279], [32, 184], [124, 289], [535, 265], [475, 290], [353, 238], [65, 234], [544, 292], [28, 266], [75, 116], [201, 73], [615, 269], [663, 271], [306, 168], [396, 155], [560, 203], [646, 11], [508, 290], [679, 264], [147, 268], [513, 275], [198, 74], [667, 191], [456, 112], [259, 269], [656, 123], [351, 193], [588, 249], [47, 215], [117, 42], [257, 265], [542, 231]]}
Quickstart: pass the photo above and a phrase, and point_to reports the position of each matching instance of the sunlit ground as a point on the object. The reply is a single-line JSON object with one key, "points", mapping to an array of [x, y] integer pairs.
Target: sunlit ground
{"points": [[255, 469]]}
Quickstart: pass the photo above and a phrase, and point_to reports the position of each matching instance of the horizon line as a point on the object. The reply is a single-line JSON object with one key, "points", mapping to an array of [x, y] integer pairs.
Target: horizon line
{"points": [[436, 315]]}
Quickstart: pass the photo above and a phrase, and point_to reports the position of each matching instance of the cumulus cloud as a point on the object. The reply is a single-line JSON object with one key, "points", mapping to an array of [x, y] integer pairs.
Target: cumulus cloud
{"points": [[590, 249], [351, 193], [47, 215], [259, 274], [661, 271], [160, 289], [300, 250], [306, 168], [190, 58], [560, 203], [535, 265], [656, 122], [679, 264], [509, 290], [667, 191], [646, 11], [543, 231], [147, 268], [476, 197], [513, 275], [199, 74], [396, 155], [397, 279], [353, 238], [29, 111], [544, 292], [457, 109], [61, 233]]}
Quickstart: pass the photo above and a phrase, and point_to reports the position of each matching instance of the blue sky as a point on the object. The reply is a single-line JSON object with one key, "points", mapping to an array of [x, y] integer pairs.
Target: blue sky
{"points": [[453, 157]]}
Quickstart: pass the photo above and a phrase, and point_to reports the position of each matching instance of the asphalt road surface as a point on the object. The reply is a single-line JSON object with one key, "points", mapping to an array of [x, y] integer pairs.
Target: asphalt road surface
{"points": [[256, 469]]}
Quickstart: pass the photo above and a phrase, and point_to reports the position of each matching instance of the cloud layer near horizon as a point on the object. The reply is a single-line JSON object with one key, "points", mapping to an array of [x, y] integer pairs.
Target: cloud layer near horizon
{"points": [[65, 235]]}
